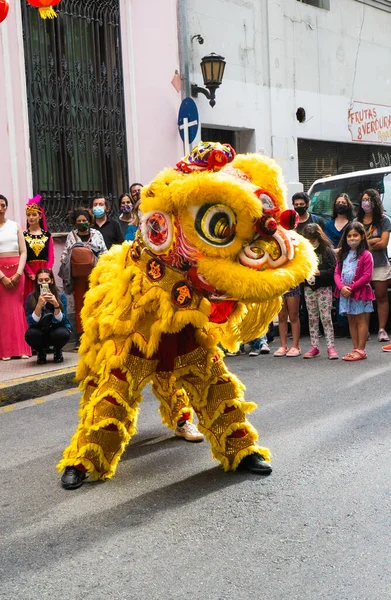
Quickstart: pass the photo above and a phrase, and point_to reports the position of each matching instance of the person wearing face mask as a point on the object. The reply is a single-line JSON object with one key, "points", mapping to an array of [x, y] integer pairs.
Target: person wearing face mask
{"points": [[75, 276], [301, 202], [352, 277], [129, 219], [109, 228], [318, 292], [377, 228], [342, 215], [135, 192]]}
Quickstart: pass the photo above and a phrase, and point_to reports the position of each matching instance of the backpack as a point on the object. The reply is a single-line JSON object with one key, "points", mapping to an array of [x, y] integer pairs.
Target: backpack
{"points": [[82, 260]]}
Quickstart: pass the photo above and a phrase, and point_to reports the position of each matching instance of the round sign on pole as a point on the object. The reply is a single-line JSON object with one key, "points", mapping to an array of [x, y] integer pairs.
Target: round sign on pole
{"points": [[188, 120]]}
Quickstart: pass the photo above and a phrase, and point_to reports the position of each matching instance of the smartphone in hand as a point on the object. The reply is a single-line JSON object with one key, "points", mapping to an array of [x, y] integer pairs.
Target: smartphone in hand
{"points": [[44, 289]]}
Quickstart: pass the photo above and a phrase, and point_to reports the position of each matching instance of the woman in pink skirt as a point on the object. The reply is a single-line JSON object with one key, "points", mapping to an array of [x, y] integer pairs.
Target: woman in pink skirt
{"points": [[12, 261]]}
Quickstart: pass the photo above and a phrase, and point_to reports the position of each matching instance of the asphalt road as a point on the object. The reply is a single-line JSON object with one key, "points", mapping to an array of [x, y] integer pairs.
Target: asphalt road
{"points": [[173, 525]]}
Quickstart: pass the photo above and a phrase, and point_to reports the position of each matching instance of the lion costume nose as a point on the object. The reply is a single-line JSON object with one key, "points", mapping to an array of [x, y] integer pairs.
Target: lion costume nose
{"points": [[289, 219], [267, 224]]}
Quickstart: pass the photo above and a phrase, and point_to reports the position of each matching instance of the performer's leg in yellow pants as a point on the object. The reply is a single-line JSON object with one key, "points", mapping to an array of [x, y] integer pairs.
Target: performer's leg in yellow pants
{"points": [[109, 411], [221, 410], [108, 418]]}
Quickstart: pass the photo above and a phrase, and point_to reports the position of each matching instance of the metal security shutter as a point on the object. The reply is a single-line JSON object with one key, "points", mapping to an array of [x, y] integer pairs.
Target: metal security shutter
{"points": [[316, 159], [379, 156], [319, 159]]}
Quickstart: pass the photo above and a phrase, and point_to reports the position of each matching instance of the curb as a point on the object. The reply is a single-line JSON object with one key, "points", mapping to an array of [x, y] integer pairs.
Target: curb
{"points": [[35, 386]]}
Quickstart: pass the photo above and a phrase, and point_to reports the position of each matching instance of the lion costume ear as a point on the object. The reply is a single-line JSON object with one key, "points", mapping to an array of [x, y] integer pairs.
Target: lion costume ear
{"points": [[157, 195], [263, 172]]}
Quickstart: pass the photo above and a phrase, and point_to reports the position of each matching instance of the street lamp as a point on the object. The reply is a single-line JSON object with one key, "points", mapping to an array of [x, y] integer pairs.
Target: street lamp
{"points": [[212, 67]]}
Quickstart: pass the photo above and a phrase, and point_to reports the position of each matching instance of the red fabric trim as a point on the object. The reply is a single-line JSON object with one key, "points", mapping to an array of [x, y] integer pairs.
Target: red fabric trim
{"points": [[239, 433], [111, 400], [171, 346], [221, 311], [119, 374]]}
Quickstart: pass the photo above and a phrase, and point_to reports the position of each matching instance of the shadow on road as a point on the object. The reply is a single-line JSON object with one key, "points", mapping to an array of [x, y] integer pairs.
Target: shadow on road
{"points": [[56, 541]]}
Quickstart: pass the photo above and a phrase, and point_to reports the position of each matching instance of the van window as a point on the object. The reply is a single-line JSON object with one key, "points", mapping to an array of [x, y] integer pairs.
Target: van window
{"points": [[323, 194]]}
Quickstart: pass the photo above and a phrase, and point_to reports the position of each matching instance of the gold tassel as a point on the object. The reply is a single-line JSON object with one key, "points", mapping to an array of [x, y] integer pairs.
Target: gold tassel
{"points": [[47, 12]]}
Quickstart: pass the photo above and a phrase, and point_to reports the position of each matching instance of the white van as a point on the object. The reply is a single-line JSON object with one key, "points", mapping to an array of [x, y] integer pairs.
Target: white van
{"points": [[324, 191]]}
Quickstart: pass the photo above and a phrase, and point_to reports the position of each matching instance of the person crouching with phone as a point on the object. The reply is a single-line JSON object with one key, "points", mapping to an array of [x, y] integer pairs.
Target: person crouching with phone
{"points": [[46, 310]]}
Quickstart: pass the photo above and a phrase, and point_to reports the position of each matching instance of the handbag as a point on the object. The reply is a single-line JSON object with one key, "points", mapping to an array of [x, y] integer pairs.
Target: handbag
{"points": [[82, 260]]}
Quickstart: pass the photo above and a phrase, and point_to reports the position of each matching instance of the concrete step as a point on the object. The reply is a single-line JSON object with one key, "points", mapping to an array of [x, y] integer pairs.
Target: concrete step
{"points": [[24, 379]]}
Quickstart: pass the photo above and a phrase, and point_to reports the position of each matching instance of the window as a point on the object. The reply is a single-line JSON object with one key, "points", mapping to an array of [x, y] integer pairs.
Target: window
{"points": [[318, 3], [76, 105], [382, 4]]}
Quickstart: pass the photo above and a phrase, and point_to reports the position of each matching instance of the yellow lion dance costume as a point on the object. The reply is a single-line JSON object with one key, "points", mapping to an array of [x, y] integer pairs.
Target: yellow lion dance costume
{"points": [[215, 252]]}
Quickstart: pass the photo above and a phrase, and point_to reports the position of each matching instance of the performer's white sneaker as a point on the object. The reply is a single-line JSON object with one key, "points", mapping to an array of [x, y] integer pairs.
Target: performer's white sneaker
{"points": [[189, 432]]}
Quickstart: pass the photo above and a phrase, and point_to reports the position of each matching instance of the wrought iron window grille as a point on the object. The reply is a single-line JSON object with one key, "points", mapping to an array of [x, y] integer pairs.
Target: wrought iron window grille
{"points": [[76, 106]]}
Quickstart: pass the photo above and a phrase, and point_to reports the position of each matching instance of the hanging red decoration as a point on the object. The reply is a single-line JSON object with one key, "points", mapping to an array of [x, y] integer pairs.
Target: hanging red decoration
{"points": [[45, 7], [4, 8]]}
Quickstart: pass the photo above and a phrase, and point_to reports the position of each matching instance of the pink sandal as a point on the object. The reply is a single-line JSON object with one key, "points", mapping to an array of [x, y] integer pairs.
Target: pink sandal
{"points": [[294, 352], [281, 351], [355, 355]]}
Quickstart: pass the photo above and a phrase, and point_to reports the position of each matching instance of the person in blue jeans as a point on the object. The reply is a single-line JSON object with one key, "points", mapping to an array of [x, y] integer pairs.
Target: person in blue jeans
{"points": [[258, 346]]}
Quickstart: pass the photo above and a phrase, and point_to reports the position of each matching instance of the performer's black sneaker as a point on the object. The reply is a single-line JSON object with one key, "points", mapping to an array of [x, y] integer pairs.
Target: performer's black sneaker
{"points": [[255, 463], [72, 478]]}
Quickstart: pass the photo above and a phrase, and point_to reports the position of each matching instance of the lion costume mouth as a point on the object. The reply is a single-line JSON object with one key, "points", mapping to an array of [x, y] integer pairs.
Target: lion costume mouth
{"points": [[205, 288]]}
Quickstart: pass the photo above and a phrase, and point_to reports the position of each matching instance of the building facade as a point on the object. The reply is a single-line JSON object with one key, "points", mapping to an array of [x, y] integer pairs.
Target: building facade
{"points": [[307, 82], [92, 97], [89, 101]]}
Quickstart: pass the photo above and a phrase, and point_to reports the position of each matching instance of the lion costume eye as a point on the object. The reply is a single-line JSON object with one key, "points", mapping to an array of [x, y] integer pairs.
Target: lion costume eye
{"points": [[215, 223]]}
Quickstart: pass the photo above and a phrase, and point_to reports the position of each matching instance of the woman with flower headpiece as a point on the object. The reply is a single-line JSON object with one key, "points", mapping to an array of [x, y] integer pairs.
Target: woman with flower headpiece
{"points": [[39, 243], [12, 262]]}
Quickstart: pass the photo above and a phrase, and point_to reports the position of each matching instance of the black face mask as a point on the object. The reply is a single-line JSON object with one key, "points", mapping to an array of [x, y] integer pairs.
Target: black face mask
{"points": [[301, 210], [341, 209]]}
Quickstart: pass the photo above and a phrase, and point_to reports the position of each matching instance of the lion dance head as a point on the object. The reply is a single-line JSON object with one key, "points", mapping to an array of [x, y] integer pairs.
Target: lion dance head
{"points": [[222, 219]]}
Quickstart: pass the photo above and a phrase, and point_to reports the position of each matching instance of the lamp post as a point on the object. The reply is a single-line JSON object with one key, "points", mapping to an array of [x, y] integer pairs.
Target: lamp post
{"points": [[212, 67]]}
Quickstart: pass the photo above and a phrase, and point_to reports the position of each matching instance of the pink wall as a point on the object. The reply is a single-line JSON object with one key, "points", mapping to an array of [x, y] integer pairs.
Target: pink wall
{"points": [[15, 166], [155, 103]]}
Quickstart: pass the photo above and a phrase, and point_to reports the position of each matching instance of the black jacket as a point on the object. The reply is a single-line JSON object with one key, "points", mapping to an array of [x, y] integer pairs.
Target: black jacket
{"points": [[326, 267]]}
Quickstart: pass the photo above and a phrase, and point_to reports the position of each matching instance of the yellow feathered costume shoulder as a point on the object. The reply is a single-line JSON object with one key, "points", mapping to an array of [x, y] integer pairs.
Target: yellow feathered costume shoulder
{"points": [[216, 250]]}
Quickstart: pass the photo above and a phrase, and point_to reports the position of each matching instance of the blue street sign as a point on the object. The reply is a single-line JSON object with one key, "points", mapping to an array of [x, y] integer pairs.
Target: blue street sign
{"points": [[188, 110]]}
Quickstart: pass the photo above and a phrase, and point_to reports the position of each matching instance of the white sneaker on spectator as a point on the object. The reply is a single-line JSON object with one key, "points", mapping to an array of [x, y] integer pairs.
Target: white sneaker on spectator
{"points": [[254, 352], [189, 432], [382, 336], [265, 348]]}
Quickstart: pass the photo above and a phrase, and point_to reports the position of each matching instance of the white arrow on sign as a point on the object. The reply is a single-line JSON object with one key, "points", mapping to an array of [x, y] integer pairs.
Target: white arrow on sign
{"points": [[186, 126]]}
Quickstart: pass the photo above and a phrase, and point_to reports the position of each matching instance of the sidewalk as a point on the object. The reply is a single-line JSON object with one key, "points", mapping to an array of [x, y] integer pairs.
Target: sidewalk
{"points": [[24, 379]]}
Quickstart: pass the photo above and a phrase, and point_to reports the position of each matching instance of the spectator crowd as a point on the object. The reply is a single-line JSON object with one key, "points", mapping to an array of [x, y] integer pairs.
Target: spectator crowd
{"points": [[33, 312], [353, 272]]}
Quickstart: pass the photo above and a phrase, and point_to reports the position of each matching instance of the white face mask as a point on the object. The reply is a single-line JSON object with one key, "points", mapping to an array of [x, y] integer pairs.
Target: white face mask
{"points": [[353, 244]]}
